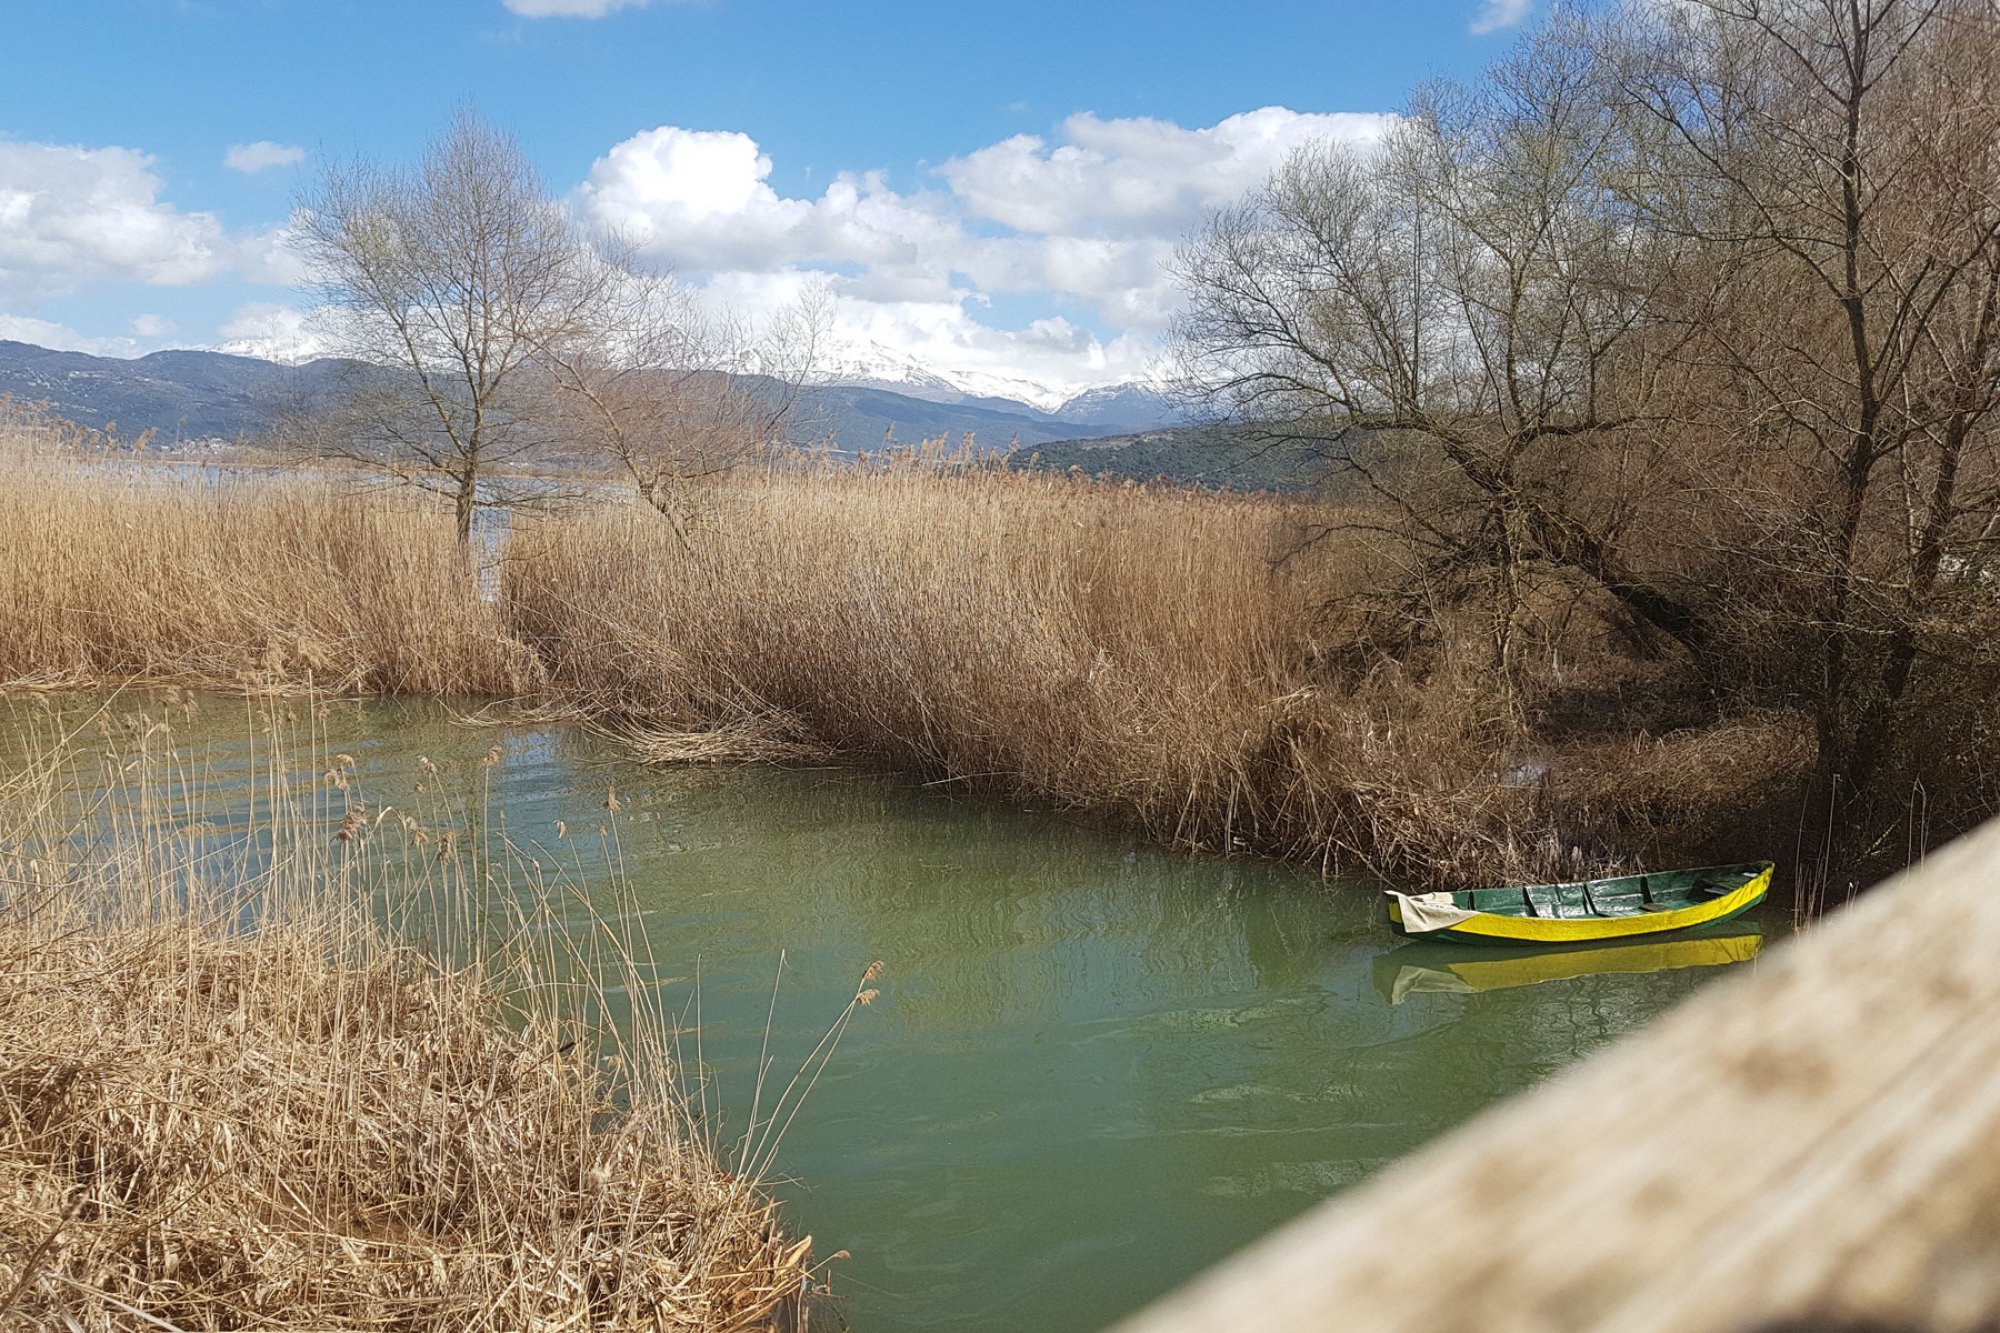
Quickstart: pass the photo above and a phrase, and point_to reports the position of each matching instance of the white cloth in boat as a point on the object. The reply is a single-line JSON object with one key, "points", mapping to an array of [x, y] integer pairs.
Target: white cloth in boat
{"points": [[1423, 912]]}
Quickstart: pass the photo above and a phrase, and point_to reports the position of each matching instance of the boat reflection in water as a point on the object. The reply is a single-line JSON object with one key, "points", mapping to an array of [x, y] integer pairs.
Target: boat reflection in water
{"points": [[1431, 968]]}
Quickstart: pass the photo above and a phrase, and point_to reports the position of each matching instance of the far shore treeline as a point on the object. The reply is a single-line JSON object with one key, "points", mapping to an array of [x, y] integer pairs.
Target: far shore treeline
{"points": [[1647, 383]]}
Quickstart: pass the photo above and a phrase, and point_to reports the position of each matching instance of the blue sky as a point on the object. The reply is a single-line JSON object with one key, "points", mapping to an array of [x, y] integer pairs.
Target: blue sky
{"points": [[994, 185]]}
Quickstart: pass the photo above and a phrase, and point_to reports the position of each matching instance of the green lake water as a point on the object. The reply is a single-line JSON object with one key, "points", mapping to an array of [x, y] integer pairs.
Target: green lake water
{"points": [[1095, 1067]]}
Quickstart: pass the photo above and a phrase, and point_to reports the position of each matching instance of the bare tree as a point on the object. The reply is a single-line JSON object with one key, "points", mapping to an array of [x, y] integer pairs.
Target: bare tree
{"points": [[1838, 162], [673, 395], [1473, 295], [449, 280]]}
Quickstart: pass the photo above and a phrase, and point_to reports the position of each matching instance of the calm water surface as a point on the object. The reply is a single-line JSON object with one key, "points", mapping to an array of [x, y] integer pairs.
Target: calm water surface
{"points": [[1095, 1067]]}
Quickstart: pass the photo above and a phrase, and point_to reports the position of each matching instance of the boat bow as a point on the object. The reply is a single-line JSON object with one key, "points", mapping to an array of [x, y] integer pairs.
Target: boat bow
{"points": [[1421, 913]]}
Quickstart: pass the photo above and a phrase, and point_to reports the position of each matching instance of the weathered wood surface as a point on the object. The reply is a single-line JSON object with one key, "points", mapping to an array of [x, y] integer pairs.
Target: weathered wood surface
{"points": [[1814, 1139]]}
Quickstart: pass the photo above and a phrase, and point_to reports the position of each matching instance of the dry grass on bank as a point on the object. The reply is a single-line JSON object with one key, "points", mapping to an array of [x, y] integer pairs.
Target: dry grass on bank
{"points": [[111, 571], [1138, 653], [310, 1125], [1123, 650]]}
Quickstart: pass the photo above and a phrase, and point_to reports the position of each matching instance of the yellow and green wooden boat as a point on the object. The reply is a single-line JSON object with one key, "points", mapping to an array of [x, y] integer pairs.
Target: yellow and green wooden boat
{"points": [[1584, 912]]}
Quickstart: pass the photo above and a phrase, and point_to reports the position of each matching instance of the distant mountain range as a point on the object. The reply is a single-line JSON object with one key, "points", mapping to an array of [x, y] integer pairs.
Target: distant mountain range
{"points": [[181, 395], [192, 395]]}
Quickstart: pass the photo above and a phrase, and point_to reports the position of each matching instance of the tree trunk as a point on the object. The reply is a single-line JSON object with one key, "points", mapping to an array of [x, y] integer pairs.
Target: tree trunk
{"points": [[1507, 594], [1837, 711], [1872, 733], [1566, 542], [465, 501]]}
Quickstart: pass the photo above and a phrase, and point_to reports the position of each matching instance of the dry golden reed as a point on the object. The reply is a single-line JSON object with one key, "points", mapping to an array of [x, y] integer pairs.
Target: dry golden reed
{"points": [[1140, 653], [113, 570], [315, 1124]]}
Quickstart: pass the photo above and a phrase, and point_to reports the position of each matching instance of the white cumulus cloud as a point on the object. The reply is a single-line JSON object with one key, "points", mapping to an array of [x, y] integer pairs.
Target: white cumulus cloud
{"points": [[1043, 363], [1087, 219], [63, 338], [69, 216], [1494, 15], [1138, 176], [269, 256], [262, 156], [702, 200]]}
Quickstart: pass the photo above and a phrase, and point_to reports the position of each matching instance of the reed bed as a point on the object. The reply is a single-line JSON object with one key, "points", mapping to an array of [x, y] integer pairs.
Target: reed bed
{"points": [[986, 630], [113, 571], [237, 1094], [1138, 653]]}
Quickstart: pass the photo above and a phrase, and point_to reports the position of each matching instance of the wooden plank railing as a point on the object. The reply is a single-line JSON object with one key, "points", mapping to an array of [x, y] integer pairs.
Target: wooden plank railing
{"points": [[1812, 1143]]}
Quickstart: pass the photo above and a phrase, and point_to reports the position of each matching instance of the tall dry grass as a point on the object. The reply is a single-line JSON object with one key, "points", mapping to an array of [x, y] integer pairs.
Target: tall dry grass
{"points": [[1138, 653], [113, 570], [231, 1096], [989, 630]]}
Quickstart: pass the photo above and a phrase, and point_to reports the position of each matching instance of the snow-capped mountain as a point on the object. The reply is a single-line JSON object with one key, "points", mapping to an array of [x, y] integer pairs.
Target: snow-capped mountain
{"points": [[873, 366], [1129, 404], [1134, 404]]}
